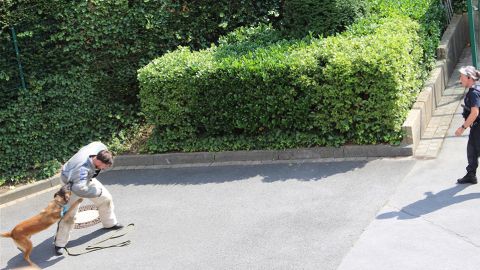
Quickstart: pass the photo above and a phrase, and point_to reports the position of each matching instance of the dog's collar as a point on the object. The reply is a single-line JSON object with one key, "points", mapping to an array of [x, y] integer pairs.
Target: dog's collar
{"points": [[59, 204], [64, 210]]}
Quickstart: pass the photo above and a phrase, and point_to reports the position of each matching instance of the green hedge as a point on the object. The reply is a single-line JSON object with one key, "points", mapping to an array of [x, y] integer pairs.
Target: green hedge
{"points": [[288, 94], [430, 14], [381, 73]]}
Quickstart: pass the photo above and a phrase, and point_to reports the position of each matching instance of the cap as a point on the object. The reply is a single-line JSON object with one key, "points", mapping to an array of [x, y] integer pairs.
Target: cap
{"points": [[469, 71]]}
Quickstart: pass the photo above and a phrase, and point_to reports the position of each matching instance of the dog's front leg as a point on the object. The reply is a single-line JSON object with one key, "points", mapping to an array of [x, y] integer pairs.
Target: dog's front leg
{"points": [[71, 211]]}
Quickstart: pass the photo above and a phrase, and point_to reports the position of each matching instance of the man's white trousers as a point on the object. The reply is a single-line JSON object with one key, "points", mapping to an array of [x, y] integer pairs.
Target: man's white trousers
{"points": [[106, 212]]}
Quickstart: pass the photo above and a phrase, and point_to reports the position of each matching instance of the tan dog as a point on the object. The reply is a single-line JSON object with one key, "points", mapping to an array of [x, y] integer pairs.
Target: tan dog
{"points": [[51, 214]]}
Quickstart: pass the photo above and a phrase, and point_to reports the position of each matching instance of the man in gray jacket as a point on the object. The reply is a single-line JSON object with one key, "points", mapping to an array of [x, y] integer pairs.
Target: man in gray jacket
{"points": [[80, 172]]}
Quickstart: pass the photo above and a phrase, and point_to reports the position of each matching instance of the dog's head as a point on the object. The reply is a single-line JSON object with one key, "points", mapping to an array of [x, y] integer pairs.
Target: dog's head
{"points": [[63, 194]]}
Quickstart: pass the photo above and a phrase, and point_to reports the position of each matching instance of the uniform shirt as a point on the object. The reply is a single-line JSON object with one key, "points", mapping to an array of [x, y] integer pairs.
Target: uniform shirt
{"points": [[79, 170], [472, 99]]}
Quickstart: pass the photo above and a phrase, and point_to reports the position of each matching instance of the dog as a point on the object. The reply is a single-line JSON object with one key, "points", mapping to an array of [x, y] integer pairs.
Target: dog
{"points": [[51, 214]]}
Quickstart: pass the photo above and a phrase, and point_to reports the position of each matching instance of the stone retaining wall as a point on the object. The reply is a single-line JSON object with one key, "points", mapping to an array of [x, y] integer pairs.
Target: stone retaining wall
{"points": [[449, 51]]}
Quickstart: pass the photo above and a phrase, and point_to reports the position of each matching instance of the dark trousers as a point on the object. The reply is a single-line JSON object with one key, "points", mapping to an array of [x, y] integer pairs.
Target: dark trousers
{"points": [[473, 149]]}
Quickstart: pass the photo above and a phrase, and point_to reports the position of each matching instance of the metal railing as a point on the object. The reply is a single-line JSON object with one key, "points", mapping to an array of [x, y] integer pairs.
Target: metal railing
{"points": [[473, 23], [447, 4]]}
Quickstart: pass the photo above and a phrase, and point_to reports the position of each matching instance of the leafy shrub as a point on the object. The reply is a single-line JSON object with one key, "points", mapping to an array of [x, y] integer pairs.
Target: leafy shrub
{"points": [[430, 14], [370, 81], [286, 94]]}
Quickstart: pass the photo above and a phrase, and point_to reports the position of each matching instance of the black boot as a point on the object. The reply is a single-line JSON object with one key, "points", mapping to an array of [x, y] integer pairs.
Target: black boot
{"points": [[469, 178], [59, 250]]}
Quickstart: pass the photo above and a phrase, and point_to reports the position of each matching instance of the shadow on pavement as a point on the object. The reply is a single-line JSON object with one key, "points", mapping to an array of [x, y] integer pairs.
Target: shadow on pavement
{"points": [[87, 238], [431, 203], [41, 255], [203, 175]]}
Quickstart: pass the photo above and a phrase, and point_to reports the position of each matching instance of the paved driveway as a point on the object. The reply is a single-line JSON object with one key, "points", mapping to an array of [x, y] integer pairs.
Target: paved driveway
{"points": [[275, 216]]}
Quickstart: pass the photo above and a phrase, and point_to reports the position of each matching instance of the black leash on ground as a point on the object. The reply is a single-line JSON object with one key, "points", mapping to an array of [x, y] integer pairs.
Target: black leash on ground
{"points": [[76, 251]]}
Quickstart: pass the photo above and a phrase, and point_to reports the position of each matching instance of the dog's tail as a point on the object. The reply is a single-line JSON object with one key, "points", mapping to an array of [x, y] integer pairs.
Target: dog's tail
{"points": [[6, 234]]}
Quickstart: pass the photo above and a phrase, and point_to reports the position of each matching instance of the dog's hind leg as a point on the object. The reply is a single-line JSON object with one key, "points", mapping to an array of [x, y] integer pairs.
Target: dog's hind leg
{"points": [[19, 245], [26, 246]]}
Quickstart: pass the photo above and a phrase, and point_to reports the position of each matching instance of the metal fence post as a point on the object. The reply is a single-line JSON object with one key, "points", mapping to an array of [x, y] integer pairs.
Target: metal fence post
{"points": [[17, 54]]}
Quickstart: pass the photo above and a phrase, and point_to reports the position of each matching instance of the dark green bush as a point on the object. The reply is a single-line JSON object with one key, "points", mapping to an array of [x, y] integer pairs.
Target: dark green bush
{"points": [[114, 38], [459, 6], [45, 124], [319, 17], [287, 94], [251, 37]]}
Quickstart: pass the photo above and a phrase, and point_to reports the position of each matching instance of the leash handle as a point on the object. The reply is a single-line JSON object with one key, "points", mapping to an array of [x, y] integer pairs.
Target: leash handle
{"points": [[97, 246], [93, 248]]}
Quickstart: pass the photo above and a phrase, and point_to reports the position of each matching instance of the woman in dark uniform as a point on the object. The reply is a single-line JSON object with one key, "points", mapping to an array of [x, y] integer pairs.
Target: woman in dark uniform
{"points": [[468, 78]]}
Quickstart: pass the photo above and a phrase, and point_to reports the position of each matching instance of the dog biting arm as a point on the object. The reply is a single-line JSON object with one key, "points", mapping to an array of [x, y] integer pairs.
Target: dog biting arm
{"points": [[70, 214]]}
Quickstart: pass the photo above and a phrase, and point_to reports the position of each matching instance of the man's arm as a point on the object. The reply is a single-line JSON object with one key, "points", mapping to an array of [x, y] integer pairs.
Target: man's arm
{"points": [[81, 187]]}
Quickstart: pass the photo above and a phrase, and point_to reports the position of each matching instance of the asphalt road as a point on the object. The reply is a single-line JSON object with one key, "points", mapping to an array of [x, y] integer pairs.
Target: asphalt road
{"points": [[275, 216]]}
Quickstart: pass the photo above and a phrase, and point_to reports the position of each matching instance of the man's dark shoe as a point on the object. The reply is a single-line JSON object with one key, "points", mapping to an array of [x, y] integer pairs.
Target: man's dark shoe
{"points": [[469, 178], [59, 250], [115, 227]]}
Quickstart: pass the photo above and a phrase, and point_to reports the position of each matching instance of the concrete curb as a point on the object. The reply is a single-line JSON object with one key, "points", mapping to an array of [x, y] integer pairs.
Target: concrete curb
{"points": [[29, 189], [349, 151], [227, 157]]}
